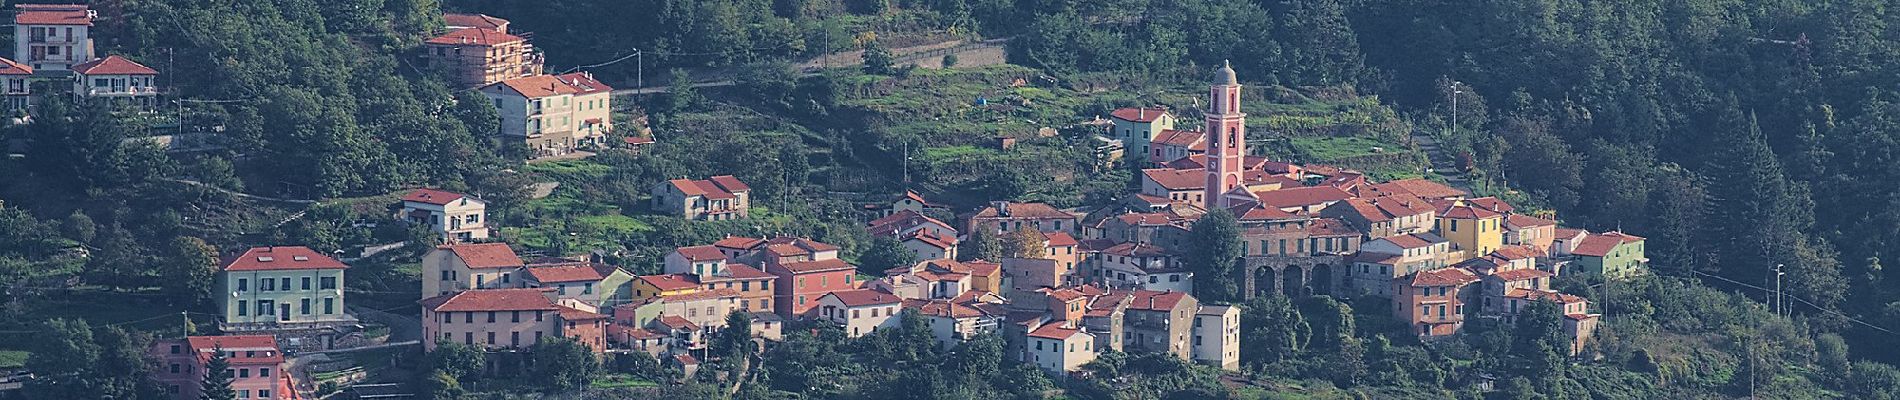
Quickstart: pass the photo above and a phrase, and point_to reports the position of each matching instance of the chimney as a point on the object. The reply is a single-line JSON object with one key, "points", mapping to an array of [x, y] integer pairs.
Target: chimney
{"points": [[1002, 207], [1142, 114]]}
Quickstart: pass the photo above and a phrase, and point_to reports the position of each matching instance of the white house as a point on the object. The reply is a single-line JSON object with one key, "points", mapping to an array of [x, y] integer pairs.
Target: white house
{"points": [[52, 37], [1059, 349], [1216, 334], [453, 216], [860, 311], [117, 79]]}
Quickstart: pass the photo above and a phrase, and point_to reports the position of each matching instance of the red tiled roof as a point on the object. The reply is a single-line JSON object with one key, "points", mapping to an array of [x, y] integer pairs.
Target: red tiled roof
{"points": [[928, 237], [539, 86], [1025, 210], [1059, 239], [1136, 249], [700, 253], [9, 67], [1376, 258], [1517, 252], [486, 255], [1467, 212], [1491, 203], [1302, 196], [1193, 140], [1522, 274], [670, 282], [738, 242], [1054, 331], [678, 323], [1177, 179], [804, 267], [982, 268], [1443, 277], [1329, 227], [1552, 295], [249, 349], [1580, 317], [113, 65], [1420, 187], [728, 182], [1142, 115], [1151, 199], [1252, 211], [280, 258], [941, 308], [1063, 295], [864, 297], [807, 244], [1599, 245], [1150, 300], [899, 221], [1569, 233], [1520, 221], [51, 14], [473, 21], [737, 271], [432, 196], [686, 359], [474, 37], [572, 314], [1193, 161], [636, 140], [571, 273], [491, 300]]}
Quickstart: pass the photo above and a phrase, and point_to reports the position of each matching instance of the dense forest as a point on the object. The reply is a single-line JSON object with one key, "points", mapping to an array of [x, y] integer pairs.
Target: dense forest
{"points": [[1739, 136]]}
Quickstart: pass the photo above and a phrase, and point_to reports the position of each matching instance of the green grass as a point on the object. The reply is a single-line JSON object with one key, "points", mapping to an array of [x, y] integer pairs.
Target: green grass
{"points": [[12, 359], [614, 381], [1335, 148]]}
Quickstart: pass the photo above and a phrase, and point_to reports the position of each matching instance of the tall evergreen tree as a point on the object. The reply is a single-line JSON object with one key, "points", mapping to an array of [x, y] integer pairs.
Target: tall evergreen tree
{"points": [[217, 381], [1213, 254]]}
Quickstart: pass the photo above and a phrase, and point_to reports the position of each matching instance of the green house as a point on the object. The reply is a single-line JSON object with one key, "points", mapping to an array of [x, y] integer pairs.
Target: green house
{"points": [[1613, 254]]}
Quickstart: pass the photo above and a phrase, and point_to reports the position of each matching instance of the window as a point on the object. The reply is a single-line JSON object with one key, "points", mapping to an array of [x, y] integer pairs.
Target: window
{"points": [[175, 349], [242, 310], [267, 284], [588, 287], [329, 305], [856, 313], [491, 338], [305, 283], [468, 317], [263, 394], [514, 339], [244, 372], [468, 337], [263, 372], [491, 319], [303, 306], [537, 316], [801, 285], [174, 368], [445, 276], [244, 285], [286, 284]]}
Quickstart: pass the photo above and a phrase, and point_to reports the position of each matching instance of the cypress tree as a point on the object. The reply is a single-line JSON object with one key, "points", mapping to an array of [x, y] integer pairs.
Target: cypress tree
{"points": [[217, 382]]}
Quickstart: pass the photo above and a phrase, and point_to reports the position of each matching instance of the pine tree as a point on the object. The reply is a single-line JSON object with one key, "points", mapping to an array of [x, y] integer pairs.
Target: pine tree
{"points": [[217, 381], [1213, 249]]}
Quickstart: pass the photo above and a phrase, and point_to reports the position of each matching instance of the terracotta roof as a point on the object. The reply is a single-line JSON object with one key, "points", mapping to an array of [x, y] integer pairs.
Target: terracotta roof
{"points": [[1139, 219], [738, 271], [982, 268], [913, 196], [636, 140], [1422, 188], [113, 65], [1376, 258], [1193, 140], [1059, 239], [934, 240], [738, 242], [1251, 211], [571, 273], [432, 196], [1193, 161], [709, 188], [677, 323], [1149, 300], [573, 314], [486, 255], [1518, 252], [643, 334], [9, 67], [1142, 115], [700, 253], [1152, 199], [1025, 210], [51, 14], [1491, 203], [727, 182], [1302, 196], [803, 243], [1443, 277], [803, 267], [686, 359], [280, 258], [1177, 179], [1522, 274], [1414, 240], [491, 300], [539, 86], [1520, 221], [473, 21], [1600, 244], [670, 282], [1063, 295], [864, 297], [1329, 227], [474, 37], [1467, 212], [1136, 249], [1054, 331], [941, 308], [248, 350], [1569, 233]]}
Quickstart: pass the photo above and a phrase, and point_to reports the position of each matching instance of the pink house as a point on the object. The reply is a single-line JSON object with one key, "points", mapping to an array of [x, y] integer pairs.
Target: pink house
{"points": [[256, 364]]}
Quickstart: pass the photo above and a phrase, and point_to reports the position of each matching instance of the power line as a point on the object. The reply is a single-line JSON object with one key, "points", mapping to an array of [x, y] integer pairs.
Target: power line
{"points": [[1803, 301]]}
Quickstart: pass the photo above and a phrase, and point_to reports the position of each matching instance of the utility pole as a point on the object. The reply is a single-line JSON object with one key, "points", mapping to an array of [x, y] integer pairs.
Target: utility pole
{"points": [[640, 68], [1455, 91], [186, 315], [907, 165], [1780, 309]]}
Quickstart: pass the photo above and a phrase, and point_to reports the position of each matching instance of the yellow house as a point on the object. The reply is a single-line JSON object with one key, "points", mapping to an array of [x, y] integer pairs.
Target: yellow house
{"points": [[1472, 229], [651, 286]]}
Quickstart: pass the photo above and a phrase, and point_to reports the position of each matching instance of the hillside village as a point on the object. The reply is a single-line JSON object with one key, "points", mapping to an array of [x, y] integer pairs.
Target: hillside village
{"points": [[1136, 251], [1112, 277]]}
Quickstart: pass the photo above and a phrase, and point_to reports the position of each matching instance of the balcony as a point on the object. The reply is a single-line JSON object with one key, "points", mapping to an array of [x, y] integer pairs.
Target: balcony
{"points": [[122, 91], [51, 39]]}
